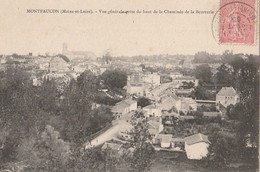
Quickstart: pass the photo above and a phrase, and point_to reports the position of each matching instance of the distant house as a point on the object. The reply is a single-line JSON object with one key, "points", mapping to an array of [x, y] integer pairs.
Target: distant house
{"points": [[115, 148], [136, 89], [196, 146], [184, 104], [164, 140], [152, 78], [187, 79], [227, 96], [170, 101], [155, 126], [187, 104], [58, 64], [152, 110], [124, 106]]}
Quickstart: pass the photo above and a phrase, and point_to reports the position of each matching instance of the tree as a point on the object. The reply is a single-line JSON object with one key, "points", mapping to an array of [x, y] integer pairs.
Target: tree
{"points": [[143, 101], [45, 152], [94, 159], [140, 159], [114, 79], [224, 75], [187, 85], [221, 149], [203, 73]]}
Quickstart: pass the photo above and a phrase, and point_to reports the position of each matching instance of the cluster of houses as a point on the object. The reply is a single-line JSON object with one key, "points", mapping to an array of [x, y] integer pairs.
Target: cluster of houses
{"points": [[166, 103], [167, 99]]}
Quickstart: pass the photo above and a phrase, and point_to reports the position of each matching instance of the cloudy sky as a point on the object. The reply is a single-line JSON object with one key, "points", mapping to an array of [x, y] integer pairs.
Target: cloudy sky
{"points": [[131, 34]]}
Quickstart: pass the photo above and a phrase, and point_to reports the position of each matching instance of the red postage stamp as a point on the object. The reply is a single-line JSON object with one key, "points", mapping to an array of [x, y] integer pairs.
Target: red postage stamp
{"points": [[237, 21]]}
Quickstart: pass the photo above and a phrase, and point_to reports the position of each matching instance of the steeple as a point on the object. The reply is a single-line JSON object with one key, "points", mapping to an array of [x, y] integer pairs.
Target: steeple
{"points": [[64, 48]]}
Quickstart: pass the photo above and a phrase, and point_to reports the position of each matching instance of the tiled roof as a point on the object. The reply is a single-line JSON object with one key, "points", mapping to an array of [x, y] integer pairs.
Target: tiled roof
{"points": [[197, 138], [153, 124], [227, 91], [129, 101], [152, 106], [112, 146], [166, 138]]}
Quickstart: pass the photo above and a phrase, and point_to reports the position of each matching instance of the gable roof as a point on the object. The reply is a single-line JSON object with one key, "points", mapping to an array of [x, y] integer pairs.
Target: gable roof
{"points": [[166, 138], [227, 91], [152, 106], [129, 101], [119, 107], [196, 138], [153, 124], [189, 100], [112, 146]]}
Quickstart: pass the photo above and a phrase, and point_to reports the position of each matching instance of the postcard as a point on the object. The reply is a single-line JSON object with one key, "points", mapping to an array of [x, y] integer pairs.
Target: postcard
{"points": [[134, 85]]}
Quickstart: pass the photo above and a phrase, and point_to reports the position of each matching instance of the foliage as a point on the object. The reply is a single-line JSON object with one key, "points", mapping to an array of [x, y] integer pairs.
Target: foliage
{"points": [[187, 85], [94, 159], [221, 149], [143, 101], [140, 159], [203, 73], [204, 57], [115, 79]]}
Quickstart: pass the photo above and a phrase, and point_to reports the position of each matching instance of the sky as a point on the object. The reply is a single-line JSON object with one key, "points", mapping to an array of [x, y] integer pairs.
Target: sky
{"points": [[121, 34]]}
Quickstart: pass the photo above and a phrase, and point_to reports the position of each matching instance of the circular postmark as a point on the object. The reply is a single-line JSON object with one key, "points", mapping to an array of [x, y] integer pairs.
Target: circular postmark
{"points": [[234, 22]]}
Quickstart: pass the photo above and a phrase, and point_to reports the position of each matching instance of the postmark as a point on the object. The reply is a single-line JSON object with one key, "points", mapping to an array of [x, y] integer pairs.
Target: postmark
{"points": [[235, 22]]}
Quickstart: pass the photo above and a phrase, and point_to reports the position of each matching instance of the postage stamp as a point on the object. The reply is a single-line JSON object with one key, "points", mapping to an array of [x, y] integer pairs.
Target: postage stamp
{"points": [[236, 22]]}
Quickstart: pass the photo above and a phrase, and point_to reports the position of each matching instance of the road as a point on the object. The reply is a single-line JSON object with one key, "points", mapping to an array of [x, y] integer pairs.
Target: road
{"points": [[122, 123]]}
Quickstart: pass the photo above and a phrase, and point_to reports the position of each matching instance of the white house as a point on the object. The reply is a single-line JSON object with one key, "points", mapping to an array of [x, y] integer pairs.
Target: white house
{"points": [[227, 96], [196, 146], [152, 110], [124, 107], [155, 126], [187, 104], [164, 140], [152, 78], [170, 101]]}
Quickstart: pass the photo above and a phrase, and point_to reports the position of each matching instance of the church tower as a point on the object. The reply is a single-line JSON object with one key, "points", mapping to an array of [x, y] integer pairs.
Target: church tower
{"points": [[64, 48]]}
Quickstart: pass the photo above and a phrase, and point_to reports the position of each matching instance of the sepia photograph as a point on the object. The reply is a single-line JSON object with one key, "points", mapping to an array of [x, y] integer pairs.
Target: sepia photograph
{"points": [[129, 86]]}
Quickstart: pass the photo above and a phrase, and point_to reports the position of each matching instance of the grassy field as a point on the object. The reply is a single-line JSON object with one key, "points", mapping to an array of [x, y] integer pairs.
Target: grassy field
{"points": [[177, 162]]}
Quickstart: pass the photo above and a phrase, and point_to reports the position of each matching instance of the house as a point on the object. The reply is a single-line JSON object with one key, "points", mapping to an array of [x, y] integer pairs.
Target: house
{"points": [[163, 89], [184, 104], [187, 79], [136, 89], [196, 146], [152, 78], [170, 101], [59, 64], [124, 107], [187, 104], [152, 110], [164, 140], [115, 148], [155, 126], [227, 96]]}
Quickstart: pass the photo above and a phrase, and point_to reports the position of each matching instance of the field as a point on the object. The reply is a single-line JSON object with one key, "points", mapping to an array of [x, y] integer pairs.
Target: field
{"points": [[177, 162]]}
